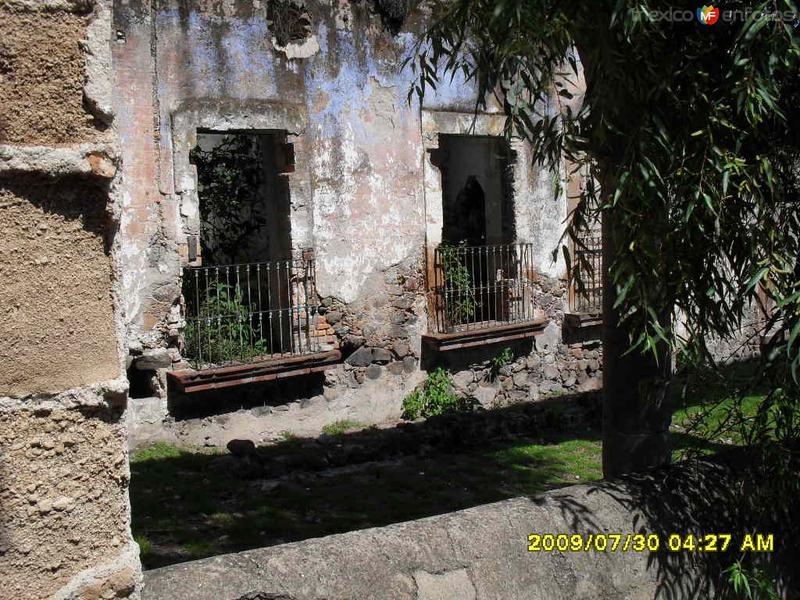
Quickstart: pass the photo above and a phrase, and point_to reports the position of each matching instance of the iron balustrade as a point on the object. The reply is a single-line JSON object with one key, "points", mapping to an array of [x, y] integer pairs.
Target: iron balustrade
{"points": [[587, 285], [479, 287], [248, 312]]}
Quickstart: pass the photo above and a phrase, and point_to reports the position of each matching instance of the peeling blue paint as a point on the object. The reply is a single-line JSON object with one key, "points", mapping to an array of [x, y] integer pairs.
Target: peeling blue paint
{"points": [[348, 91], [237, 49], [250, 66]]}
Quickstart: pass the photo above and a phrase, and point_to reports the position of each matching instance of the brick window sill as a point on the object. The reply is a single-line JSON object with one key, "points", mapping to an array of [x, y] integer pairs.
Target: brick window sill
{"points": [[191, 380], [484, 336], [582, 320]]}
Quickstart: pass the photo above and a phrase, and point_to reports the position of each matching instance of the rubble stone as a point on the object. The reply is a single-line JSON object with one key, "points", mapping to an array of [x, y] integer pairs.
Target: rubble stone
{"points": [[152, 359], [361, 357]]}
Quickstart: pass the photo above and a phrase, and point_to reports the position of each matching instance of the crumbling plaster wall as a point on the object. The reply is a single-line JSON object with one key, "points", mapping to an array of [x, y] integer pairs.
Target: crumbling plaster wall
{"points": [[178, 69], [364, 194], [64, 509]]}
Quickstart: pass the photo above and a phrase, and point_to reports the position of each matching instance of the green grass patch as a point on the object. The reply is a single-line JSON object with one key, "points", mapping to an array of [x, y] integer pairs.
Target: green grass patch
{"points": [[145, 547], [162, 451], [287, 436], [342, 426], [158, 451], [713, 415], [188, 504], [567, 461], [715, 409]]}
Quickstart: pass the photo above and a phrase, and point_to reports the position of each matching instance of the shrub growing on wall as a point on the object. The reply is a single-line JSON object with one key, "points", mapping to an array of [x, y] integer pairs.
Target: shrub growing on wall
{"points": [[435, 397], [225, 330]]}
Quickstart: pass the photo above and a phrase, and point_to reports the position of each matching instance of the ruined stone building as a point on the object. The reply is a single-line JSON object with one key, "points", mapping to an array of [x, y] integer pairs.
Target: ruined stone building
{"points": [[330, 280], [232, 215], [234, 202]]}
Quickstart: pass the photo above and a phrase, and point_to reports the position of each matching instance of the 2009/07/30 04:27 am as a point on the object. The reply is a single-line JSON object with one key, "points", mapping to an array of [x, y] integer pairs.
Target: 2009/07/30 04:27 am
{"points": [[649, 542]]}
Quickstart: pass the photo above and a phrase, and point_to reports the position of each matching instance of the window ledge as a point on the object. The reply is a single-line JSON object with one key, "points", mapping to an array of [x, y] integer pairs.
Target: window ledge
{"points": [[484, 336], [191, 380], [582, 320]]}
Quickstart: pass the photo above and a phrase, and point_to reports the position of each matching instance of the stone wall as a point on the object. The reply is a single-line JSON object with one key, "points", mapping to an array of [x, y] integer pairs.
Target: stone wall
{"points": [[64, 510], [482, 553], [365, 194], [49, 224]]}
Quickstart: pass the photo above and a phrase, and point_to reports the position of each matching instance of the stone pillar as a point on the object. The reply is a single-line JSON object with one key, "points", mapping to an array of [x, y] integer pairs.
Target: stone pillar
{"points": [[64, 508]]}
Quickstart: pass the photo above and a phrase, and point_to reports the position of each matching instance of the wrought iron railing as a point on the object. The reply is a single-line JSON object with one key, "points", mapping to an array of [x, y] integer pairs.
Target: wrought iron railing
{"points": [[479, 287], [248, 312], [587, 285]]}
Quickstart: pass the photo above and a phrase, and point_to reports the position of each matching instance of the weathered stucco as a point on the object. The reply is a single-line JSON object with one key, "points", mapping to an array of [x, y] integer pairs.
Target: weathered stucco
{"points": [[55, 285], [64, 510], [364, 192], [42, 73], [63, 491], [361, 139]]}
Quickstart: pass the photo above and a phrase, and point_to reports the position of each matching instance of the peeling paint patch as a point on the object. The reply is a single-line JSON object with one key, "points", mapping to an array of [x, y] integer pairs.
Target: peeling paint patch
{"points": [[307, 49]]}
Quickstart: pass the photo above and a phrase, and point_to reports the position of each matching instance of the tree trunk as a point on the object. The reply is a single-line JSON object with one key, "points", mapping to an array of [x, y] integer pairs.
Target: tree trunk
{"points": [[636, 403], [637, 407]]}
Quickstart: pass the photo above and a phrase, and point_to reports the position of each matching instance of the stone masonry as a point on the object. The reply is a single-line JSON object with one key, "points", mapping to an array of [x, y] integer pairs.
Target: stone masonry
{"points": [[64, 509], [365, 196]]}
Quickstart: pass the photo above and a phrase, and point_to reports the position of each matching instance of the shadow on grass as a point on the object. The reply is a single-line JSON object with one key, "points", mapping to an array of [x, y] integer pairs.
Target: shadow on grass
{"points": [[190, 504], [193, 504]]}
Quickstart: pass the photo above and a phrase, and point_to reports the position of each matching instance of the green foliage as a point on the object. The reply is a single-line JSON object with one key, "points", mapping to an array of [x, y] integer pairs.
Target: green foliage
{"points": [[158, 451], [684, 128], [505, 357], [461, 303], [341, 426], [224, 329], [501, 360], [229, 177], [163, 451], [435, 397], [751, 584], [145, 545], [690, 135]]}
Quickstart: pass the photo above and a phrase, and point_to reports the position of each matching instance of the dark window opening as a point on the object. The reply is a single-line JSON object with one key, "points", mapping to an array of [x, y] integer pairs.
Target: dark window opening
{"points": [[243, 194], [587, 281], [143, 384], [288, 21], [480, 276], [477, 202], [586, 276], [250, 300]]}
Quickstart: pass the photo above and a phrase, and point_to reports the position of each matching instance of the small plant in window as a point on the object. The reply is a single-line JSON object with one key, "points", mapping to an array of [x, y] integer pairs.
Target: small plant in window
{"points": [[460, 301], [435, 397], [225, 330]]}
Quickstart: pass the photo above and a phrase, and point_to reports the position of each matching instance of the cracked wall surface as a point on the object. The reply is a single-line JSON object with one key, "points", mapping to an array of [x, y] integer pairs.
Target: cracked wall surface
{"points": [[364, 193], [64, 508]]}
